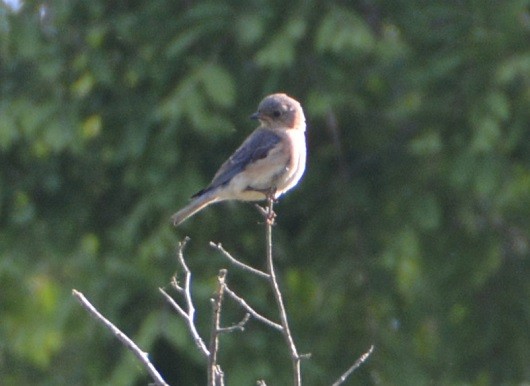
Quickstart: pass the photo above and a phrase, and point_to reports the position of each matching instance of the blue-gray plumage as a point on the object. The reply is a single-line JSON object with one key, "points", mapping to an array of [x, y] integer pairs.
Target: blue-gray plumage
{"points": [[272, 158], [255, 148]]}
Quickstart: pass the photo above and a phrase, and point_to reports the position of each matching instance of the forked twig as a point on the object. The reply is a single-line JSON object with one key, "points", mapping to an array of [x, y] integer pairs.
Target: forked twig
{"points": [[189, 314]]}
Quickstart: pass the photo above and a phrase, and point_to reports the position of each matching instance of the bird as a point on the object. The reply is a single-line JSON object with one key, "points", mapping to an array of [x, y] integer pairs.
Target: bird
{"points": [[270, 161]]}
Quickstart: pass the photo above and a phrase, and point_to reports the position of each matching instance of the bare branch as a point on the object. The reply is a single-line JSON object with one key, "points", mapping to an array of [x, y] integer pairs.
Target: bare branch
{"points": [[354, 367], [189, 315], [180, 253], [251, 311], [175, 284], [262, 210], [142, 356], [270, 216], [189, 321], [238, 263], [174, 304], [215, 374], [236, 327]]}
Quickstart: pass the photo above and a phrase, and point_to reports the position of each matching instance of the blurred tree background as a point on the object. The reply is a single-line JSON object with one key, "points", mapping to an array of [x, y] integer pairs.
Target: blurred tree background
{"points": [[410, 230]]}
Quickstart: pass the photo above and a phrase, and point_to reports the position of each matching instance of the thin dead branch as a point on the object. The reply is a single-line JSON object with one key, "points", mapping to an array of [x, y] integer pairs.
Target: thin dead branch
{"points": [[142, 356], [236, 327], [251, 311], [354, 367], [189, 314], [215, 374], [269, 215], [238, 263]]}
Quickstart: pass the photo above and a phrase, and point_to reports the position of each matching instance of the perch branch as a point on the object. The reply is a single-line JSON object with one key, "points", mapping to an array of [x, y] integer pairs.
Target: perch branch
{"points": [[269, 215]]}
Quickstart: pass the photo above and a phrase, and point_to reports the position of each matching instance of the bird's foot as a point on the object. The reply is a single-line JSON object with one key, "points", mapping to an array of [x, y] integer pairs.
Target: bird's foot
{"points": [[267, 211]]}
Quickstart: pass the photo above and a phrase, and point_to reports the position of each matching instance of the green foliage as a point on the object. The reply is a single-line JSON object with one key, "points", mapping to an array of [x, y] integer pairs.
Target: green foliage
{"points": [[410, 230]]}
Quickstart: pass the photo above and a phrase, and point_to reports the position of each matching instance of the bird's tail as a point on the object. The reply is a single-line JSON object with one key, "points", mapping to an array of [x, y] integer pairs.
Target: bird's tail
{"points": [[193, 207]]}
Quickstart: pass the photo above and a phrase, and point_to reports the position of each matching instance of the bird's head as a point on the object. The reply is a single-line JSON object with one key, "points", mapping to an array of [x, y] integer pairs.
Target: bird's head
{"points": [[280, 111]]}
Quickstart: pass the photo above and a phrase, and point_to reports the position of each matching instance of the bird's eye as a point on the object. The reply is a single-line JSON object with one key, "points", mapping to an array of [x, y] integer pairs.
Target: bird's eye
{"points": [[276, 113]]}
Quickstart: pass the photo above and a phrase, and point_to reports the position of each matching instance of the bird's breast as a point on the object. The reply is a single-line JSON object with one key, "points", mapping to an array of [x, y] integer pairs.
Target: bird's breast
{"points": [[296, 164], [281, 168]]}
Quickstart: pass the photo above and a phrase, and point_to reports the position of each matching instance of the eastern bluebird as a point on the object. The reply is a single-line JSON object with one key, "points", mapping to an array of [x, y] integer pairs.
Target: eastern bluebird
{"points": [[271, 159]]}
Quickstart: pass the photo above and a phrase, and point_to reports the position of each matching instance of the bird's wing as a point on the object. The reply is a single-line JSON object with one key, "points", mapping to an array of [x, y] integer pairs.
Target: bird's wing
{"points": [[254, 148]]}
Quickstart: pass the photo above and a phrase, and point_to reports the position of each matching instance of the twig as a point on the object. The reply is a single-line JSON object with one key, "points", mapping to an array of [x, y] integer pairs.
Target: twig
{"points": [[269, 215], [189, 315], [236, 327], [238, 263], [215, 374], [354, 367], [251, 311], [142, 356]]}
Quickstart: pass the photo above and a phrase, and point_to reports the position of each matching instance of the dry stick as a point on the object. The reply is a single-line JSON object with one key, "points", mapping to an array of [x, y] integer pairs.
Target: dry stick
{"points": [[238, 263], [354, 367], [189, 315], [286, 332], [251, 311], [189, 318], [127, 342], [236, 327], [215, 374]]}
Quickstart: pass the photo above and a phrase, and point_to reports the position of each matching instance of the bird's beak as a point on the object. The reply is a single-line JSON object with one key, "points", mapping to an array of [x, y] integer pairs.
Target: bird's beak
{"points": [[256, 115]]}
